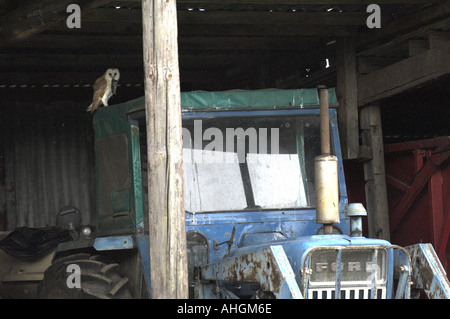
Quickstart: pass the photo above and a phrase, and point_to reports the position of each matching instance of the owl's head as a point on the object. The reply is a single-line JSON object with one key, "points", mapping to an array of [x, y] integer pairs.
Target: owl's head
{"points": [[113, 74]]}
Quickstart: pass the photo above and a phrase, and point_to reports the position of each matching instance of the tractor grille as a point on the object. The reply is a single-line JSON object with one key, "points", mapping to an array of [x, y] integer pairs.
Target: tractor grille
{"points": [[346, 293], [346, 272]]}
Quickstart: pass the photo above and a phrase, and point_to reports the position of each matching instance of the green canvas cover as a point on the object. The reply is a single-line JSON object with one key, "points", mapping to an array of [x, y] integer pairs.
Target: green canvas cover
{"points": [[108, 119]]}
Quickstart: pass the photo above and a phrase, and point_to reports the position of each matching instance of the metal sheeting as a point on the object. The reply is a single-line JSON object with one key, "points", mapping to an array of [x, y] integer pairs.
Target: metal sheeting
{"points": [[49, 162]]}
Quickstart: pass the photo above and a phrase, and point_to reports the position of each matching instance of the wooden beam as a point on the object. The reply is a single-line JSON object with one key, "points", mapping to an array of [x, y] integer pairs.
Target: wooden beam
{"points": [[37, 16], [281, 43], [374, 173], [134, 78], [445, 235], [31, 19], [395, 40], [370, 64], [133, 28], [439, 40], [411, 24], [404, 75], [68, 62], [188, 59], [347, 96], [167, 228], [238, 17], [416, 46], [421, 178], [298, 2], [277, 18], [126, 44], [79, 42], [64, 79], [3, 188]]}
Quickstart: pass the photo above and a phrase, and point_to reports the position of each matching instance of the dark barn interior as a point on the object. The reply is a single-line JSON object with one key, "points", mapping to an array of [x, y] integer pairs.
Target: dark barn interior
{"points": [[400, 71]]}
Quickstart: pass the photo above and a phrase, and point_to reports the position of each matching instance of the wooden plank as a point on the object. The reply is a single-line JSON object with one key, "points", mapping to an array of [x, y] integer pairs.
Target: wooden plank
{"points": [[422, 177], [445, 235], [436, 204], [61, 79], [31, 19], [238, 17], [41, 62], [404, 75], [393, 41], [31, 67], [3, 185], [347, 96], [370, 64], [167, 229], [126, 28], [374, 173], [37, 16], [125, 43], [412, 145], [284, 43], [396, 183], [79, 42], [417, 46], [132, 78], [312, 2], [439, 40], [420, 180], [412, 24], [289, 18]]}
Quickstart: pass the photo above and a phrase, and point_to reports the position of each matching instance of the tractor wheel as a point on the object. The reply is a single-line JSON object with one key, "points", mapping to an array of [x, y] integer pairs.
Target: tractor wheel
{"points": [[98, 279]]}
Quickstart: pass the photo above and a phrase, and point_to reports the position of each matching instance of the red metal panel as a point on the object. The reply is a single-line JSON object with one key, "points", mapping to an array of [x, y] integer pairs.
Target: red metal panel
{"points": [[418, 185]]}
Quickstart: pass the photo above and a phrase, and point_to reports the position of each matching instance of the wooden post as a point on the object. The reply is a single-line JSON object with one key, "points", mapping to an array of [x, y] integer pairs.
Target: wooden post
{"points": [[167, 229], [374, 173], [347, 96]]}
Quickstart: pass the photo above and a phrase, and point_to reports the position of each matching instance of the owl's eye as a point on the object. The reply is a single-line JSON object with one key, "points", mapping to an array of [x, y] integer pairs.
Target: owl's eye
{"points": [[110, 74]]}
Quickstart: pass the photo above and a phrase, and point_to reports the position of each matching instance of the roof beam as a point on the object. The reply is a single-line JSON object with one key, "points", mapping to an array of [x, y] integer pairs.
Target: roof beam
{"points": [[404, 75], [238, 17], [196, 59], [303, 2], [412, 25], [129, 44], [55, 79], [37, 16], [278, 18], [127, 29]]}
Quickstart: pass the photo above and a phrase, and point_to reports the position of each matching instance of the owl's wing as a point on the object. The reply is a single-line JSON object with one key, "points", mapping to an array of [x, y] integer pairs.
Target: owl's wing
{"points": [[99, 90], [100, 85]]}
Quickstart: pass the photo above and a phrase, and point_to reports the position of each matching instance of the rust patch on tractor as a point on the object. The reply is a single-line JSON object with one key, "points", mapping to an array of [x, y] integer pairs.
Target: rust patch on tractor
{"points": [[257, 266]]}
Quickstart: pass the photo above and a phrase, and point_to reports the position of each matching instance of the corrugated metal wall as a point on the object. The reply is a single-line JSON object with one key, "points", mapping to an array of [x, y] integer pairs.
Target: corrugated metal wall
{"points": [[48, 158]]}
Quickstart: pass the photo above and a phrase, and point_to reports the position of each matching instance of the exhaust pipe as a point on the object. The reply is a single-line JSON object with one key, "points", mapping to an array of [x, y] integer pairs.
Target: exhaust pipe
{"points": [[325, 170]]}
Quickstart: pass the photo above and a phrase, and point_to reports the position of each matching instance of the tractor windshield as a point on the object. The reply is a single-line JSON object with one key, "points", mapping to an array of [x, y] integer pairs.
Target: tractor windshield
{"points": [[250, 163]]}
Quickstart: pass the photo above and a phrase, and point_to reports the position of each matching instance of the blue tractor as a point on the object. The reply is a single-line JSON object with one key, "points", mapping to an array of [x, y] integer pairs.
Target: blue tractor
{"points": [[267, 214]]}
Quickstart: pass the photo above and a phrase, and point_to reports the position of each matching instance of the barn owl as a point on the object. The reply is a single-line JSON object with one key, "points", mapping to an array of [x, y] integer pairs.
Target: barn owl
{"points": [[104, 87]]}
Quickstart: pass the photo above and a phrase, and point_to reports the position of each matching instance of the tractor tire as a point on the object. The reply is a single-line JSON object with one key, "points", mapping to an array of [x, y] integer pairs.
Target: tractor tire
{"points": [[98, 279]]}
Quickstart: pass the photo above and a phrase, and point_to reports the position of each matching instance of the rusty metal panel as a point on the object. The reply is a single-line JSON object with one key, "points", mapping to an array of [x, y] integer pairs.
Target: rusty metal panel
{"points": [[49, 163], [269, 267], [427, 272]]}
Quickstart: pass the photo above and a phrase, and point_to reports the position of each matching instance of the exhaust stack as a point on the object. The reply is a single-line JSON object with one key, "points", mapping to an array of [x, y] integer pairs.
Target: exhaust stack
{"points": [[325, 170]]}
